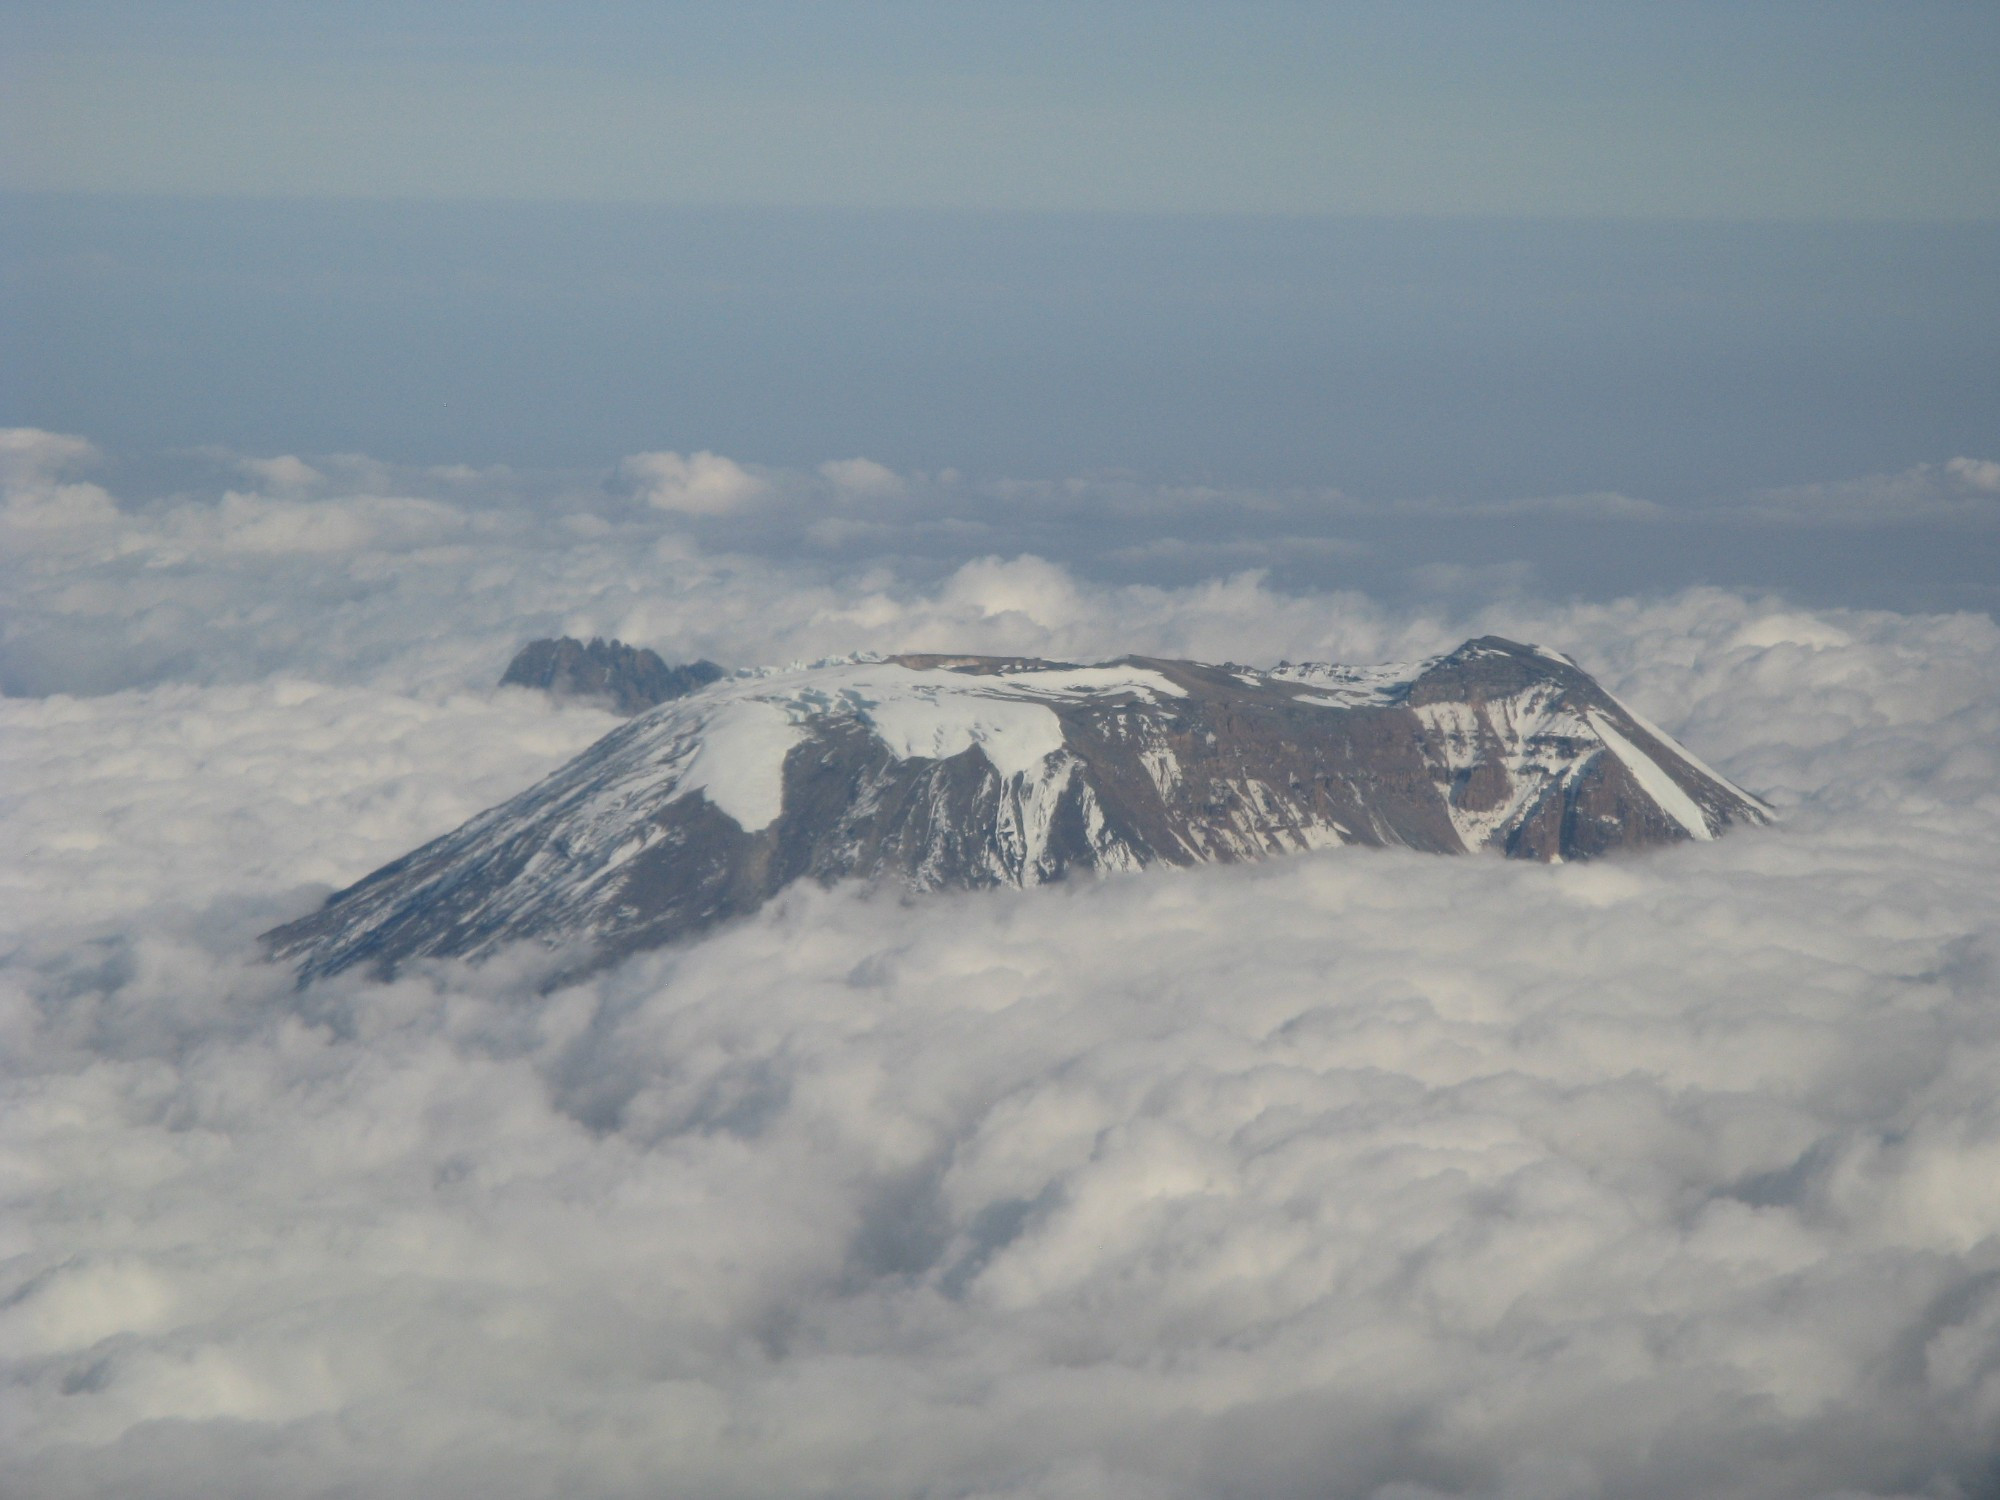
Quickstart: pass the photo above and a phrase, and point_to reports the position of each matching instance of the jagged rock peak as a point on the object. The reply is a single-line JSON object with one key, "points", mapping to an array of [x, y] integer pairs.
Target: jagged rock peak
{"points": [[627, 679], [938, 771]]}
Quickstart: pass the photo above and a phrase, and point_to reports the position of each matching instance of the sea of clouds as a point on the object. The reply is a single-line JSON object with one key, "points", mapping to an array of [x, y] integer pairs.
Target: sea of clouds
{"points": [[1356, 1174]]}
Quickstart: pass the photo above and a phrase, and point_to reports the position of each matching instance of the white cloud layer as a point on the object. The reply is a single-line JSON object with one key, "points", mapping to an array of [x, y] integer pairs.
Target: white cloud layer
{"points": [[862, 476], [347, 569], [1961, 491], [1981, 474], [698, 484], [1359, 1174]]}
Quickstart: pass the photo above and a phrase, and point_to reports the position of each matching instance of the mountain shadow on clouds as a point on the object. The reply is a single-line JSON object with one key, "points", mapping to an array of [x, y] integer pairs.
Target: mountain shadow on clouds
{"points": [[956, 772]]}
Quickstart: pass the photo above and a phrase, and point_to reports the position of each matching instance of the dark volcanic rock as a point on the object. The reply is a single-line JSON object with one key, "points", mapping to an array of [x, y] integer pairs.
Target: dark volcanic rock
{"points": [[951, 771], [628, 679]]}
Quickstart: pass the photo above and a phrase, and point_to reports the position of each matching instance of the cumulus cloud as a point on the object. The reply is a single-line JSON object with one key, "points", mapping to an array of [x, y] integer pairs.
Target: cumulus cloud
{"points": [[286, 472], [29, 455], [862, 476], [368, 582], [36, 504], [1982, 474], [1357, 1174], [251, 523], [697, 484]]}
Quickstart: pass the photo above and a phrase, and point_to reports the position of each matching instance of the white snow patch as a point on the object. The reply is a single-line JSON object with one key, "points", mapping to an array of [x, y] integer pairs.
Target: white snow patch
{"points": [[1658, 785], [1163, 766], [1015, 736], [740, 765], [1336, 685], [1074, 682], [743, 739], [937, 713], [1688, 755], [1527, 731]]}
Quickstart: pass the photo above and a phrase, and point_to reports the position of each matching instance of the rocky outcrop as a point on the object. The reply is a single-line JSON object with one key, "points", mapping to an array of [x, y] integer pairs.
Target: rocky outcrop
{"points": [[626, 679], [952, 771]]}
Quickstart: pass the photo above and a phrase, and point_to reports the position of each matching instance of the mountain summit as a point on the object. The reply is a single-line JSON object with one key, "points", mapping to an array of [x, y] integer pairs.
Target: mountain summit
{"points": [[625, 679], [966, 771]]}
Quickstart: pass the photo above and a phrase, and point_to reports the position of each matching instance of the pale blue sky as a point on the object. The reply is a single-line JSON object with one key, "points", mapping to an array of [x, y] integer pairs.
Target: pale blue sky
{"points": [[1828, 109]]}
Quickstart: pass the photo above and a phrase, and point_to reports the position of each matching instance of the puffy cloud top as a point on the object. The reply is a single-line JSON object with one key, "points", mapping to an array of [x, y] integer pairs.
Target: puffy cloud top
{"points": [[286, 472], [862, 476], [698, 484], [1357, 1174], [28, 454], [1976, 474]]}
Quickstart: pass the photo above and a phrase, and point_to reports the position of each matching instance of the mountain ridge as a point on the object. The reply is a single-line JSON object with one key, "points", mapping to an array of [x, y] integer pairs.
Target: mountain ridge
{"points": [[938, 770], [626, 679]]}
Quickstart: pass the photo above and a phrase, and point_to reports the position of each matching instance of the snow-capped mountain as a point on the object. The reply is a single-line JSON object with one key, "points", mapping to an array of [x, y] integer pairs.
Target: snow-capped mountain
{"points": [[966, 771]]}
